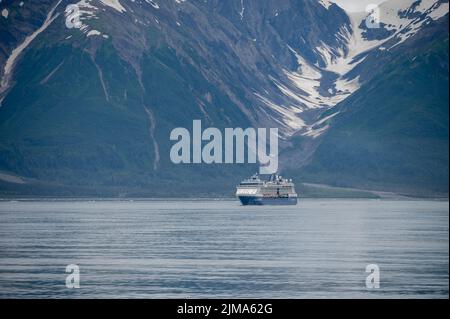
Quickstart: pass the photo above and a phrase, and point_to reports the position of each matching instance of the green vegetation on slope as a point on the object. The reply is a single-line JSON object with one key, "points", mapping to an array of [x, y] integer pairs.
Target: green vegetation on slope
{"points": [[393, 133]]}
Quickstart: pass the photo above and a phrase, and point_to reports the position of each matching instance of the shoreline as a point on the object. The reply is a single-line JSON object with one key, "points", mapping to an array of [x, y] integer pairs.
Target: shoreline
{"points": [[203, 199]]}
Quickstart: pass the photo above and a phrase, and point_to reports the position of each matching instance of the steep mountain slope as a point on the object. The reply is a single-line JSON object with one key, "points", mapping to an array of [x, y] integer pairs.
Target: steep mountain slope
{"points": [[94, 106], [393, 133], [89, 109]]}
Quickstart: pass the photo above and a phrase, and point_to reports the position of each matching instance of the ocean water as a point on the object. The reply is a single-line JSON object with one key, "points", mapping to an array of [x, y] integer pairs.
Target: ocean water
{"points": [[219, 249]]}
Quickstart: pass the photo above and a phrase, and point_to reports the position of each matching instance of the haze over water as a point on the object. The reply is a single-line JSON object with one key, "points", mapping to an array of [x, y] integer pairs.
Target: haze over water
{"points": [[219, 249]]}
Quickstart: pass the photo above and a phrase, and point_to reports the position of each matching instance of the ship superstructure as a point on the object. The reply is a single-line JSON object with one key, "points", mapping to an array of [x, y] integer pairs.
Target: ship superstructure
{"points": [[275, 191]]}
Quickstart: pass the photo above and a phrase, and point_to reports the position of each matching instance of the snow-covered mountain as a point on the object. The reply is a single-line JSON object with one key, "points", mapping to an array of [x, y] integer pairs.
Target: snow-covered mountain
{"points": [[396, 22], [86, 68]]}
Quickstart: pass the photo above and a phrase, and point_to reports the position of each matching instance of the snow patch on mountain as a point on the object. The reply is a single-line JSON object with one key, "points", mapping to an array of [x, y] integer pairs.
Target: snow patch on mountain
{"points": [[338, 61], [408, 22], [93, 32], [304, 92], [288, 120], [319, 127], [241, 13], [404, 17], [346, 86], [115, 4], [325, 3], [86, 12], [153, 4]]}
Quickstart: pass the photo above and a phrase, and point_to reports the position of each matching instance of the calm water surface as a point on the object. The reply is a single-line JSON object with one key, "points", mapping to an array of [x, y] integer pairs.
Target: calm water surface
{"points": [[219, 249]]}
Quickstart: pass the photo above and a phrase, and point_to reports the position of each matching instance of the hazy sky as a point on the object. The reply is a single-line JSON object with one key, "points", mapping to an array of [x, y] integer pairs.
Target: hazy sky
{"points": [[356, 5]]}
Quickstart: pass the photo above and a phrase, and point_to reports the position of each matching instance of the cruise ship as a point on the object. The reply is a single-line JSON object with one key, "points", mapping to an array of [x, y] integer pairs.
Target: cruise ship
{"points": [[275, 191]]}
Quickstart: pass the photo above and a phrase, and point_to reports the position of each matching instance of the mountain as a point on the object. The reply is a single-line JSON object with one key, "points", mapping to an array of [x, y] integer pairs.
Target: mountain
{"points": [[88, 110], [392, 133]]}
